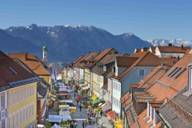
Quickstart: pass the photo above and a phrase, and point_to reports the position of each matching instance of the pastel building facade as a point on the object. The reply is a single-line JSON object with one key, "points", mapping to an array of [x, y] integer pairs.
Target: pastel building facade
{"points": [[18, 94]]}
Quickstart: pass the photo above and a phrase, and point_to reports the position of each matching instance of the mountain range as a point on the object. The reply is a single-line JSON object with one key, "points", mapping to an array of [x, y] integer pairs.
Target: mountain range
{"points": [[65, 43], [177, 42]]}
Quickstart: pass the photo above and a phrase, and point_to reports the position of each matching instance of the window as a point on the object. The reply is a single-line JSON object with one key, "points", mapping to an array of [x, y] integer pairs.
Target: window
{"points": [[116, 102], [141, 72], [176, 71], [3, 123], [114, 69], [3, 101], [104, 68], [179, 73]]}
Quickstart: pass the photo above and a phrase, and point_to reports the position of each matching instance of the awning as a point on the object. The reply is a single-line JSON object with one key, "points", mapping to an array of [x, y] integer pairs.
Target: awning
{"points": [[58, 118], [79, 116], [85, 88], [65, 113], [111, 115]]}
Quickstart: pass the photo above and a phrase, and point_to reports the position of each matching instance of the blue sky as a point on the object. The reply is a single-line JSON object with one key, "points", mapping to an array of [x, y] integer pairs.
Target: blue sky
{"points": [[148, 19]]}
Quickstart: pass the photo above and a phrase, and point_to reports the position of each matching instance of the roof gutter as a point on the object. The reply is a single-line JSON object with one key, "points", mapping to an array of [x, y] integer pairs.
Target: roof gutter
{"points": [[19, 83]]}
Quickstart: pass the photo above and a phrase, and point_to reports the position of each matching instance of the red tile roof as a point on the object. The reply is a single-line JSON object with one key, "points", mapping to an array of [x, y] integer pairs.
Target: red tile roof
{"points": [[156, 74], [108, 59], [173, 49], [103, 54], [86, 60], [35, 64], [144, 59], [12, 71], [90, 59], [169, 86], [125, 61]]}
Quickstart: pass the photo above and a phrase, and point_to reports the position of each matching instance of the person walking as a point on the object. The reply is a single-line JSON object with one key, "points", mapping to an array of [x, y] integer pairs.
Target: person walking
{"points": [[83, 124], [80, 107], [101, 113]]}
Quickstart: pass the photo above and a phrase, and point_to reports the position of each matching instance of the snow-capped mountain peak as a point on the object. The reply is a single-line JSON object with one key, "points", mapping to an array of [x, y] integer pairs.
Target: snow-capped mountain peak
{"points": [[177, 41]]}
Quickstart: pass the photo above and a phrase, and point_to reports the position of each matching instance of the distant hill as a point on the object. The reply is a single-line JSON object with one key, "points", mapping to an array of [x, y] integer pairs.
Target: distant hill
{"points": [[66, 42]]}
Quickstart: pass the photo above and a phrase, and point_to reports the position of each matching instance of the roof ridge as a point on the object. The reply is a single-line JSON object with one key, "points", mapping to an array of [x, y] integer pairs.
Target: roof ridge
{"points": [[151, 75], [134, 64]]}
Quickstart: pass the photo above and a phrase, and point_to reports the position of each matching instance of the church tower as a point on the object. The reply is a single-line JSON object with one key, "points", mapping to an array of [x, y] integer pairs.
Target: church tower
{"points": [[45, 54]]}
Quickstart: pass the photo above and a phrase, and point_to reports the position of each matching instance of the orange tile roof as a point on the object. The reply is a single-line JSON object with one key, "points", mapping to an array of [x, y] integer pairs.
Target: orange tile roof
{"points": [[143, 123], [160, 86], [78, 60], [125, 61], [103, 54], [92, 58], [35, 64], [83, 60], [173, 49], [145, 59], [12, 71], [156, 74], [169, 86]]}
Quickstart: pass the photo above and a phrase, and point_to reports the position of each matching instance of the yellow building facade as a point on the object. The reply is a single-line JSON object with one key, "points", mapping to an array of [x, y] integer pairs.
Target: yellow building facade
{"points": [[87, 77], [97, 83], [22, 106]]}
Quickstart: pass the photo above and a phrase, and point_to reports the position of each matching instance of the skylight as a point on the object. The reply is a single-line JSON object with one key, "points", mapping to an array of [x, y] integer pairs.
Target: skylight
{"points": [[176, 72], [179, 73], [13, 71], [173, 70]]}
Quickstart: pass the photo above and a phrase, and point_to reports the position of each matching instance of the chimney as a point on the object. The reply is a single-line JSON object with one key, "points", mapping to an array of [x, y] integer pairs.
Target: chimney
{"points": [[182, 46], [170, 44]]}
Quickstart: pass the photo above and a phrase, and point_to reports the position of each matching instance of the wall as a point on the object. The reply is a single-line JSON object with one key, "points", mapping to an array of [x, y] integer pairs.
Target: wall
{"points": [[22, 105], [88, 77], [116, 96], [81, 76], [3, 109], [121, 87], [76, 75], [97, 85], [133, 77]]}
